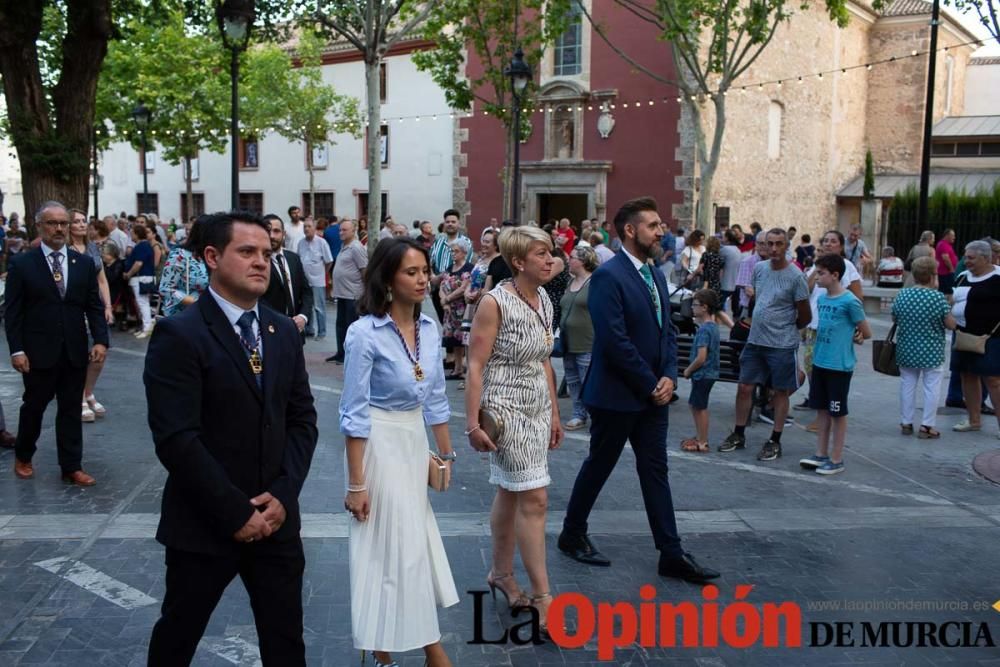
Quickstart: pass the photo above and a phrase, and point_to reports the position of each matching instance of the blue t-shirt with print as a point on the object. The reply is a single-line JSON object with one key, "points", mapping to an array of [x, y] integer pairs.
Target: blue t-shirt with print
{"points": [[838, 317], [707, 336]]}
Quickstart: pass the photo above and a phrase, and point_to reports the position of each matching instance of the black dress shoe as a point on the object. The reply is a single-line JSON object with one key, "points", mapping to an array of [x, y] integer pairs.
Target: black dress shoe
{"points": [[581, 549], [955, 404], [686, 568]]}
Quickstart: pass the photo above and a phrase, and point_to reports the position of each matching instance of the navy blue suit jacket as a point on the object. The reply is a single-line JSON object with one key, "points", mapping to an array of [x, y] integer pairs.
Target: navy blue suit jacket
{"points": [[222, 439], [631, 351]]}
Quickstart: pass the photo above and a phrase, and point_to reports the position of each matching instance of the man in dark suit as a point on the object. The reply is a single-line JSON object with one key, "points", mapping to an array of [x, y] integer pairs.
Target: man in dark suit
{"points": [[233, 422], [288, 291], [51, 290], [632, 377]]}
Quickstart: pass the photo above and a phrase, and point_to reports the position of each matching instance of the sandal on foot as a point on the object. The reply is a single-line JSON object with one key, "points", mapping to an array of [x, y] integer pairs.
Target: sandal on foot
{"points": [[492, 580], [694, 445], [543, 626], [928, 433], [906, 429]]}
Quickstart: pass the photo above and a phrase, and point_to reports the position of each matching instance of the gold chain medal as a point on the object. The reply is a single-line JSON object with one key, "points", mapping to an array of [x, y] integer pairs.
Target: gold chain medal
{"points": [[549, 340], [414, 357], [57, 276], [256, 364]]}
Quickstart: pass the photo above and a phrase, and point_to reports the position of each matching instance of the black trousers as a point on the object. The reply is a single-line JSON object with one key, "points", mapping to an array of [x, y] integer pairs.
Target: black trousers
{"points": [[272, 574], [347, 314], [64, 382], [647, 431]]}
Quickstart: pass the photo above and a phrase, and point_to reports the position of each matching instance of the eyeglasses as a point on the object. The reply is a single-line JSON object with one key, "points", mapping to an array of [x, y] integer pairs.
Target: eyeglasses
{"points": [[57, 223]]}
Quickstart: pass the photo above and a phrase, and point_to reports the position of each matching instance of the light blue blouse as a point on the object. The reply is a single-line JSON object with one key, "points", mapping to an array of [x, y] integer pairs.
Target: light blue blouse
{"points": [[378, 373]]}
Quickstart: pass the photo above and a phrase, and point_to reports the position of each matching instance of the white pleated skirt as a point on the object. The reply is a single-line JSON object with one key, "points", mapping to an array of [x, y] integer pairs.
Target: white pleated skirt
{"points": [[399, 568]]}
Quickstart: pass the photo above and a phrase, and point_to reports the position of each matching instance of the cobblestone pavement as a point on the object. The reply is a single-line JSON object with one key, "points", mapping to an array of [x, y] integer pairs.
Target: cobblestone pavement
{"points": [[909, 523]]}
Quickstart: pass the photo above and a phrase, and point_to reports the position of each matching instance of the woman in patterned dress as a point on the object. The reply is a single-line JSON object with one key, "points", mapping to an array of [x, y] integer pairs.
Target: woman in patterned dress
{"points": [[711, 266], [454, 285], [921, 314], [511, 376], [184, 276]]}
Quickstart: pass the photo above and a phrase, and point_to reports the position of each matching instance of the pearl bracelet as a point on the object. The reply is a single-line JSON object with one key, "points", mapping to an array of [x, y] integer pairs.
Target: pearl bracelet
{"points": [[472, 430], [352, 488]]}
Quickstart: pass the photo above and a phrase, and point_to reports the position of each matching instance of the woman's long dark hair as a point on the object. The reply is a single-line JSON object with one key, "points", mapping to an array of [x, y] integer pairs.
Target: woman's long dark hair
{"points": [[193, 242], [380, 272]]}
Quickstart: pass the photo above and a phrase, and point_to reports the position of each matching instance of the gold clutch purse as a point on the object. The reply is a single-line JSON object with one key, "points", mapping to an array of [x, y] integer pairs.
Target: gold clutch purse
{"points": [[438, 474], [491, 423]]}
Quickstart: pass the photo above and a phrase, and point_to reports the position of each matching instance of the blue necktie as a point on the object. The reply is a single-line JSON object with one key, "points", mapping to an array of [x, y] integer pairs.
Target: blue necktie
{"points": [[647, 275], [248, 341]]}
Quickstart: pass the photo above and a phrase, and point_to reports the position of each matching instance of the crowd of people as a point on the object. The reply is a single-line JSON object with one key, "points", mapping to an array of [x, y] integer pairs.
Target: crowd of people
{"points": [[596, 298]]}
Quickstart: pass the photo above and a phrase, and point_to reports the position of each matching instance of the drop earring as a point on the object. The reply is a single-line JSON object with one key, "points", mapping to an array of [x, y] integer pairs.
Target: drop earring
{"points": [[388, 295]]}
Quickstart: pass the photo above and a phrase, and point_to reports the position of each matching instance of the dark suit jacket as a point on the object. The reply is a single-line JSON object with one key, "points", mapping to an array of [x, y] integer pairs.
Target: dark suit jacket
{"points": [[631, 351], [276, 295], [221, 439], [40, 322]]}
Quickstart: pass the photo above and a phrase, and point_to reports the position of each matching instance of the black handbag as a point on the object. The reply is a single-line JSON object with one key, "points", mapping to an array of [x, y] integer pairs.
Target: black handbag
{"points": [[147, 288], [884, 354]]}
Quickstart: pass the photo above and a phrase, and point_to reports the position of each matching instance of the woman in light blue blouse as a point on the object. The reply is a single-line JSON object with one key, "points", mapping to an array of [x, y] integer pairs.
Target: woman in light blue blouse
{"points": [[184, 276], [394, 387]]}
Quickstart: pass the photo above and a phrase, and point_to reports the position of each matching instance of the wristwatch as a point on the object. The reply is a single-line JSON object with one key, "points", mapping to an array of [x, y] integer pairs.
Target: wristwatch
{"points": [[451, 456]]}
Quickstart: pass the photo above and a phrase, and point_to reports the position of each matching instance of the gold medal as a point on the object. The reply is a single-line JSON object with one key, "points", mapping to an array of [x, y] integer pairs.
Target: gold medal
{"points": [[548, 338], [57, 276], [418, 372], [255, 363]]}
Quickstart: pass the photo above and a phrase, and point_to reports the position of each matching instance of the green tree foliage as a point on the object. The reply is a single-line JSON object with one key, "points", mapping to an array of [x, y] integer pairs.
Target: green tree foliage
{"points": [[372, 27], [51, 55], [869, 185], [313, 112], [987, 11], [491, 30], [712, 43], [181, 77]]}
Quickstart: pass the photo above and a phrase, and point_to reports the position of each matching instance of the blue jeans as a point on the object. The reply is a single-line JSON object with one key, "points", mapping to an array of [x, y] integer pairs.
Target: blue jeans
{"points": [[317, 319], [575, 367]]}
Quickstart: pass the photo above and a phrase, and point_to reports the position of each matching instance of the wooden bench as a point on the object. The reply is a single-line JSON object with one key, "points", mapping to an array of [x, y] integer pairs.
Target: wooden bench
{"points": [[729, 357]]}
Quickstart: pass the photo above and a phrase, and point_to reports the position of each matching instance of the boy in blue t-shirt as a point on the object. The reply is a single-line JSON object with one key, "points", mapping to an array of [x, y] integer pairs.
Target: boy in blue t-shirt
{"points": [[841, 322], [703, 365]]}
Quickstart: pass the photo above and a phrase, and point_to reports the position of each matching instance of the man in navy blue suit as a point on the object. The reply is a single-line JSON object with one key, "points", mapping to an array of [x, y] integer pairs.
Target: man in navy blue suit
{"points": [[233, 422], [632, 377]]}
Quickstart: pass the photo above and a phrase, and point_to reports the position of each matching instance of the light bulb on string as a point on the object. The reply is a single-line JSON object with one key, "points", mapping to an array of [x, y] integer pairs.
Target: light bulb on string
{"points": [[868, 67]]}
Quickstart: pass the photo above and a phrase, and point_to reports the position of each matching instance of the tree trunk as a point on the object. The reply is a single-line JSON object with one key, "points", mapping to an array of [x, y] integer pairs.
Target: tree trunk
{"points": [[53, 143], [374, 152], [507, 175], [312, 180], [707, 156], [188, 194]]}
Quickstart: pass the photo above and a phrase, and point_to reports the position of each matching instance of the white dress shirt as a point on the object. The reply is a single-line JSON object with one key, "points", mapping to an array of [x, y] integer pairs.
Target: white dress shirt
{"points": [[233, 313]]}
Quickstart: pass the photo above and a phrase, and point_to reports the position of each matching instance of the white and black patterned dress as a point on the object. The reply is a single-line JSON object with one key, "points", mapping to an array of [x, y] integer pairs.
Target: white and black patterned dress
{"points": [[515, 386]]}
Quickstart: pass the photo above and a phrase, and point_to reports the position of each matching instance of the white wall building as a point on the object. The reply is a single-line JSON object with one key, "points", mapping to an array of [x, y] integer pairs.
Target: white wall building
{"points": [[416, 178], [982, 86]]}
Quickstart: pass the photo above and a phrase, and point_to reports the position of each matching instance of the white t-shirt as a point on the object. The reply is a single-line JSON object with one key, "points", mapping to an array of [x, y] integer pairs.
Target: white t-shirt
{"points": [[294, 234], [694, 254], [850, 275], [960, 295]]}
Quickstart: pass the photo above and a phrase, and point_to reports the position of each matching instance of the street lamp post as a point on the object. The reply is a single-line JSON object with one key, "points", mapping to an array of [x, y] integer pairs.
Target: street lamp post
{"points": [[519, 74], [235, 18], [141, 116]]}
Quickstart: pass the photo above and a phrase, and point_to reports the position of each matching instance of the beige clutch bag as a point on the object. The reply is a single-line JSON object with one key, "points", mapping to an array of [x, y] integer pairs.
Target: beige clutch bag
{"points": [[438, 474]]}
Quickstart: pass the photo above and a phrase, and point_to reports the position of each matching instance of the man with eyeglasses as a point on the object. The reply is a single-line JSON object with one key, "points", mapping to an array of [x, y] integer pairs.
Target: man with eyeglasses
{"points": [[780, 308], [51, 291]]}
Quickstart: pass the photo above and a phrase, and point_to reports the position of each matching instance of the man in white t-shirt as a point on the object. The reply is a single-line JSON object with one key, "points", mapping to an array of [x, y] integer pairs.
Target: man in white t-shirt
{"points": [[295, 229], [316, 258]]}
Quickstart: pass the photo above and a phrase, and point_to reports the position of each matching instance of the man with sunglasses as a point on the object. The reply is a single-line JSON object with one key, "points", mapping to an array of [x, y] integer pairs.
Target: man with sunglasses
{"points": [[51, 291], [781, 308]]}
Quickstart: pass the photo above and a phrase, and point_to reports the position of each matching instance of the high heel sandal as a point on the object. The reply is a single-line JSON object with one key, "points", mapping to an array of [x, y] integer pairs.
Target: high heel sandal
{"points": [[519, 602], [542, 625], [376, 660]]}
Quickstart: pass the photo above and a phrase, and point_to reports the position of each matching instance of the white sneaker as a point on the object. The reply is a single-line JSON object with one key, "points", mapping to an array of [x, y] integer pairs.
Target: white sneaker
{"points": [[145, 333], [965, 426], [86, 414], [575, 424], [95, 405]]}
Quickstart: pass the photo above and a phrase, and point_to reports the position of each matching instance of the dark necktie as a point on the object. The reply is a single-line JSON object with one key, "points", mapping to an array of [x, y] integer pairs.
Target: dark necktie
{"points": [[251, 344], [647, 275], [57, 273], [286, 280]]}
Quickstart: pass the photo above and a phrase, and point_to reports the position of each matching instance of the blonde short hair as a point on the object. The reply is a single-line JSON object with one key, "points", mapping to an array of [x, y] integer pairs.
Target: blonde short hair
{"points": [[924, 269], [516, 242]]}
